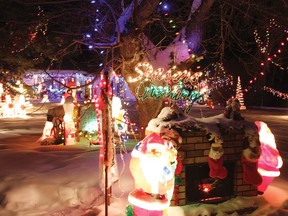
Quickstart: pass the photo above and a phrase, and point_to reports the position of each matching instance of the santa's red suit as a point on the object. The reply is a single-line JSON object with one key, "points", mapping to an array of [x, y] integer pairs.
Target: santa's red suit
{"points": [[270, 160], [152, 165]]}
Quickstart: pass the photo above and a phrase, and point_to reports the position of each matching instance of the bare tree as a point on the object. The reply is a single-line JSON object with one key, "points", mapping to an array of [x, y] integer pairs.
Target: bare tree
{"points": [[90, 35]]}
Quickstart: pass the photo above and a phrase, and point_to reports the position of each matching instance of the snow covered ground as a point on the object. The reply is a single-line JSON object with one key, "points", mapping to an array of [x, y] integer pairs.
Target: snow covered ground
{"points": [[64, 180]]}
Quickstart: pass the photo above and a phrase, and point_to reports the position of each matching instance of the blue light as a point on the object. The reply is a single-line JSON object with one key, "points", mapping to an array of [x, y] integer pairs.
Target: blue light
{"points": [[88, 35], [101, 64], [93, 2], [165, 7], [102, 51], [90, 46]]}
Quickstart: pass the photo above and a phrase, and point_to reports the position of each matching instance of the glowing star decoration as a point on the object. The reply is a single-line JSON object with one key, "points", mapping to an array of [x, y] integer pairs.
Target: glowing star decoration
{"points": [[153, 163], [270, 160]]}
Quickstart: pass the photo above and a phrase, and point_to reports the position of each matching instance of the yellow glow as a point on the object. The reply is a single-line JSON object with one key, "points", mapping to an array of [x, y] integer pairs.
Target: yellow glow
{"points": [[146, 71]]}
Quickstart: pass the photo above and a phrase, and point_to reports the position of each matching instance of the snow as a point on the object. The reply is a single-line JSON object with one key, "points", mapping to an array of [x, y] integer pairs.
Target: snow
{"points": [[178, 119], [64, 180]]}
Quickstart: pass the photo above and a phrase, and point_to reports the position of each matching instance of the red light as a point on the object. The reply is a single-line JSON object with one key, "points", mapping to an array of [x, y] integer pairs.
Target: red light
{"points": [[206, 189]]}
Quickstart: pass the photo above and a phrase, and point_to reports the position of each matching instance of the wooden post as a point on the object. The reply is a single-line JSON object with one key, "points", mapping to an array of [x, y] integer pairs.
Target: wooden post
{"points": [[106, 131]]}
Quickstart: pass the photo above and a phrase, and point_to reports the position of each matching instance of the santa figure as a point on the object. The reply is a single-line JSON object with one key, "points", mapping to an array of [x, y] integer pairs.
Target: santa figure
{"points": [[72, 88], [270, 160], [152, 165]]}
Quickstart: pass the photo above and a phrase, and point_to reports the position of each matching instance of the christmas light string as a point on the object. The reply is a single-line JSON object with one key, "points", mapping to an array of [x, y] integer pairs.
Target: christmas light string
{"points": [[271, 57], [41, 27], [216, 77], [276, 93], [264, 47]]}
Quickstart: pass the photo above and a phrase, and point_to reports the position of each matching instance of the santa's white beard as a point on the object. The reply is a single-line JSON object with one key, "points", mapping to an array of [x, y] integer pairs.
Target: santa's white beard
{"points": [[153, 170]]}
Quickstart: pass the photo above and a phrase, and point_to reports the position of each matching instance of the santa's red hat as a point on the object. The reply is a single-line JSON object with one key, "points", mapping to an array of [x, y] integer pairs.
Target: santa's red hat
{"points": [[71, 84], [152, 139]]}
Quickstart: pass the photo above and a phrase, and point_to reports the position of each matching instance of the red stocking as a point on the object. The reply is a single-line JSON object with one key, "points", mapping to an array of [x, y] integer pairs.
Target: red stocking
{"points": [[250, 172], [215, 161], [217, 170]]}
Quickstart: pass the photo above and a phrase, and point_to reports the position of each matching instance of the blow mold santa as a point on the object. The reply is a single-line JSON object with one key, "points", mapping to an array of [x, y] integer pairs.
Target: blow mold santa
{"points": [[270, 161], [153, 164]]}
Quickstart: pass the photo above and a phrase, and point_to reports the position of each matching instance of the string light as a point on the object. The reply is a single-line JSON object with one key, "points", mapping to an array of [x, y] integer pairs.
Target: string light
{"points": [[264, 47], [40, 28], [272, 58], [276, 93]]}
